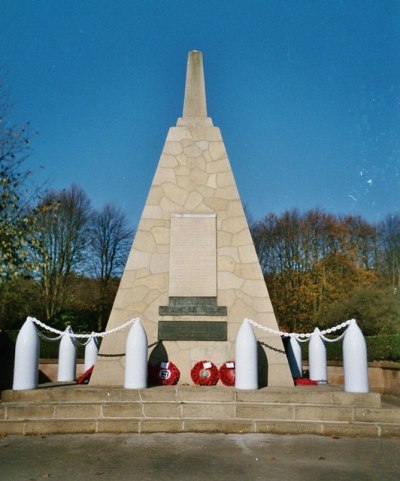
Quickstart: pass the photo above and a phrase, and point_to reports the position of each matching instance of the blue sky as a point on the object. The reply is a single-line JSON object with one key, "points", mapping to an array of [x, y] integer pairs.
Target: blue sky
{"points": [[306, 93]]}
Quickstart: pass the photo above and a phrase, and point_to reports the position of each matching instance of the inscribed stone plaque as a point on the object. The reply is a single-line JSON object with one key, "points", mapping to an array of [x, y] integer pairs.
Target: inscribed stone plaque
{"points": [[192, 331], [193, 256], [192, 306]]}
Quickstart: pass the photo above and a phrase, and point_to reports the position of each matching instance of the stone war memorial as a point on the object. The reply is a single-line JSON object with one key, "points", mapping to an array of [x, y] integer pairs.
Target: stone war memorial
{"points": [[191, 291], [192, 275]]}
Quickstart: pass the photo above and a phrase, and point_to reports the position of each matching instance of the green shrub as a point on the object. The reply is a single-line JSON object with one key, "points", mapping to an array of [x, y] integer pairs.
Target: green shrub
{"points": [[383, 348], [379, 348]]}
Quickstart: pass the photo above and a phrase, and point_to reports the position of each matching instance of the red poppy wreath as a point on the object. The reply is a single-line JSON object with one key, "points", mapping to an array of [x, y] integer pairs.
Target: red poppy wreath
{"points": [[304, 381], [85, 377], [227, 373], [164, 374], [204, 373]]}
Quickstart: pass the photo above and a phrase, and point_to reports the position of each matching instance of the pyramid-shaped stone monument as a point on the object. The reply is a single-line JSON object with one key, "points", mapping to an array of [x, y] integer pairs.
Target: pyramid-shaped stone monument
{"points": [[193, 274]]}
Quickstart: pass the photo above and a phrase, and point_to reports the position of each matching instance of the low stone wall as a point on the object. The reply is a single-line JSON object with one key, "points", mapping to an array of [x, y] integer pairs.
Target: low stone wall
{"points": [[383, 376], [48, 369]]}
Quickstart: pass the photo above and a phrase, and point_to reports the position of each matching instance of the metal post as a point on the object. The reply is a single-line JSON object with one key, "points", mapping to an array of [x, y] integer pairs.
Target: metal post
{"points": [[246, 364], [26, 364]]}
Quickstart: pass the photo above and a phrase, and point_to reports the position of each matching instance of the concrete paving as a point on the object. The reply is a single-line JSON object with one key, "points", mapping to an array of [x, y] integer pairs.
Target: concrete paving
{"points": [[197, 457]]}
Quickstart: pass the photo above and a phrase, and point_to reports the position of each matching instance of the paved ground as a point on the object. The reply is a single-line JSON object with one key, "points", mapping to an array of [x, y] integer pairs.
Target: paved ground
{"points": [[197, 457]]}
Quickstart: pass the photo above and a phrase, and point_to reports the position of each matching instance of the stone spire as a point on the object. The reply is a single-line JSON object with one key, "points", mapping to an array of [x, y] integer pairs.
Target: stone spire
{"points": [[195, 93], [192, 274]]}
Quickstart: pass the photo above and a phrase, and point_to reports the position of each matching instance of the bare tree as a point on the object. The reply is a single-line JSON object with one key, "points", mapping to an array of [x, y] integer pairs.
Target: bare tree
{"points": [[15, 224], [62, 237], [110, 240]]}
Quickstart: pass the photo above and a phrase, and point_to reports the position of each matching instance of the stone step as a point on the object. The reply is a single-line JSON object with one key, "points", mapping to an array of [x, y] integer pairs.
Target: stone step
{"points": [[322, 394], [82, 409]]}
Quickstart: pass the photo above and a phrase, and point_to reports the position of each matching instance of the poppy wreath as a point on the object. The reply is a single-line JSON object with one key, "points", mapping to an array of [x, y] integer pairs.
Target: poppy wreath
{"points": [[85, 377], [205, 373], [304, 381], [164, 374], [227, 373]]}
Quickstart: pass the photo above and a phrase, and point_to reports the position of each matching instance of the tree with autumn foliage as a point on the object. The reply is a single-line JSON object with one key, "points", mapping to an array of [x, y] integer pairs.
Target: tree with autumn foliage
{"points": [[312, 261]]}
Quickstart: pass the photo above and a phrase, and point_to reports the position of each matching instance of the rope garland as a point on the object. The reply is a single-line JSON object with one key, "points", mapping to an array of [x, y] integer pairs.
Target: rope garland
{"points": [[301, 337], [78, 336], [304, 337]]}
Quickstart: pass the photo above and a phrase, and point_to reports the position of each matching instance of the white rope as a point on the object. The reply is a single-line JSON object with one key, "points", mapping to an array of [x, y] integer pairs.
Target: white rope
{"points": [[302, 337], [82, 336]]}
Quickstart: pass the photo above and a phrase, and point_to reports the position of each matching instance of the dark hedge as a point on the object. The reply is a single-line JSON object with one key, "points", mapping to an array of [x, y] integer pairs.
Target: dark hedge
{"points": [[379, 348]]}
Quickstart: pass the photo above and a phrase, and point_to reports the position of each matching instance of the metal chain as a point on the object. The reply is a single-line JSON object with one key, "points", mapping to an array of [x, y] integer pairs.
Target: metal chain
{"points": [[339, 338], [47, 338], [85, 343]]}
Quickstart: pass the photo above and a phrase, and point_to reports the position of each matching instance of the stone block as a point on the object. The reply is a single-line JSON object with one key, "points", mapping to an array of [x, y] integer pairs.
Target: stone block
{"points": [[208, 410], [229, 193], [264, 411], [90, 395], [159, 394], [61, 426], [389, 416], [281, 427], [122, 410], [256, 288], [228, 280], [176, 134], [247, 254], [168, 161], [217, 166], [386, 430], [194, 199], [323, 413], [173, 148], [152, 212], [111, 395], [118, 426], [34, 395], [30, 411], [225, 179], [350, 430], [218, 426], [284, 395], [162, 410], [11, 427], [161, 426], [217, 151], [77, 411], [206, 394], [159, 263], [357, 399]]}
